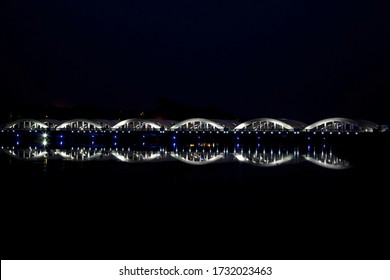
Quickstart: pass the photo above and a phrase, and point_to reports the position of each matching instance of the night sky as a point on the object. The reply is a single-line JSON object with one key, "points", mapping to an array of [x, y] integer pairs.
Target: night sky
{"points": [[303, 60]]}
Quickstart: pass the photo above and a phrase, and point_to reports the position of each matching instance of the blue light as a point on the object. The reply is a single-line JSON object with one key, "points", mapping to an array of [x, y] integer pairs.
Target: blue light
{"points": [[93, 136], [17, 142], [61, 143], [17, 135], [238, 138], [115, 137], [308, 138], [174, 137], [143, 136], [61, 136], [93, 142], [115, 143]]}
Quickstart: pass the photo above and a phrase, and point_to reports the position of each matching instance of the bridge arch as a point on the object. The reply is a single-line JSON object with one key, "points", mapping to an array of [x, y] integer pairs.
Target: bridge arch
{"points": [[51, 123], [26, 124], [105, 124], [268, 124], [79, 124], [137, 124], [198, 124], [335, 124], [368, 126]]}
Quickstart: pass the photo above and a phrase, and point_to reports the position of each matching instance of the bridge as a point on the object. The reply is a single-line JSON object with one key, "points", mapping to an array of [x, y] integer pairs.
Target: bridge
{"points": [[329, 125]]}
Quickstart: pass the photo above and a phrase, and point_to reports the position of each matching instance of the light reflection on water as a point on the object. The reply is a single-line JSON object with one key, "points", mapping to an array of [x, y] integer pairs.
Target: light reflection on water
{"points": [[260, 156]]}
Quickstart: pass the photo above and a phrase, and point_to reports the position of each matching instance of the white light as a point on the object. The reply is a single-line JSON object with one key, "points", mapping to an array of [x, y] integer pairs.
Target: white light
{"points": [[44, 142], [44, 135]]}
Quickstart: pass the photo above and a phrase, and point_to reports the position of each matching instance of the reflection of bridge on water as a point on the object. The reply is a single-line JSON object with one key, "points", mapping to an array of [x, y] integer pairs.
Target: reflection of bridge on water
{"points": [[263, 157], [268, 158], [201, 157], [326, 159], [26, 154]]}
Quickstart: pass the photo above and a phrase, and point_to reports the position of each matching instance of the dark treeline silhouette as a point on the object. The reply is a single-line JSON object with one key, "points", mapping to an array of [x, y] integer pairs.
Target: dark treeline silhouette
{"points": [[165, 109]]}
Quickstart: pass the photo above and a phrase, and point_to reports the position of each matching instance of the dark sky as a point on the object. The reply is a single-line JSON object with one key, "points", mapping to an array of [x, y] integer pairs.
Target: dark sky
{"points": [[302, 60]]}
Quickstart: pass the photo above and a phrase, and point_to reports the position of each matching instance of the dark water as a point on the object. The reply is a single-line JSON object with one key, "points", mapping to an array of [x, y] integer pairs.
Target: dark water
{"points": [[270, 201], [178, 173]]}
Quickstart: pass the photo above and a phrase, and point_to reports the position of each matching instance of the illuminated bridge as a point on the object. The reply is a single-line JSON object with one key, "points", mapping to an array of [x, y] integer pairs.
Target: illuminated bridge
{"points": [[337, 124]]}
